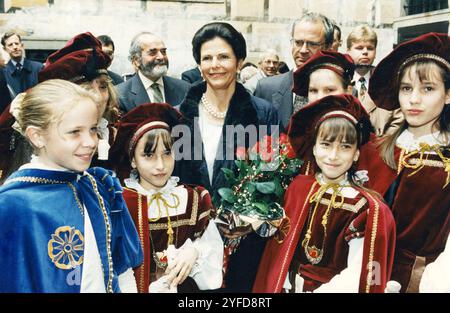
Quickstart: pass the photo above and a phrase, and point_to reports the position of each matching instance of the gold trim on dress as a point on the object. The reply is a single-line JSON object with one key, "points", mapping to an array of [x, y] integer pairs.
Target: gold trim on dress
{"points": [[141, 237], [348, 207], [204, 214], [40, 180], [109, 288], [191, 221], [424, 151], [373, 236], [291, 242]]}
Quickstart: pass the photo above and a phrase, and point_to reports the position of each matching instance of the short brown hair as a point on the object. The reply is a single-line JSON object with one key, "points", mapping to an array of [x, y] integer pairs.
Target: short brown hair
{"points": [[9, 34]]}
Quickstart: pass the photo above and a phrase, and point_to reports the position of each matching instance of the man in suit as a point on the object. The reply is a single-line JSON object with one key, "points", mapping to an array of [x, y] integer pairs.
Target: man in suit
{"points": [[5, 97], [108, 48], [362, 47], [267, 66], [149, 54], [21, 73], [311, 33]]}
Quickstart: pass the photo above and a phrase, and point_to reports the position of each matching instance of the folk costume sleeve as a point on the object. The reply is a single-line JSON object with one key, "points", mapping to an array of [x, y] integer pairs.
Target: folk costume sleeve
{"points": [[207, 270]]}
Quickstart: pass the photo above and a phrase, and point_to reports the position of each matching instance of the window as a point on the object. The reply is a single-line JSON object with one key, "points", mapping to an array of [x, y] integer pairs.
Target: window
{"points": [[423, 6]]}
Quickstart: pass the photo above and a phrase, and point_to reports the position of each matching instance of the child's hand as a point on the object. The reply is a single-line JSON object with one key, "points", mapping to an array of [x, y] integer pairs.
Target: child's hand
{"points": [[181, 267]]}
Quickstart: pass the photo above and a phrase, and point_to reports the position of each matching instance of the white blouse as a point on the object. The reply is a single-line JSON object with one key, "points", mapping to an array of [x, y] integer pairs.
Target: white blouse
{"points": [[211, 132]]}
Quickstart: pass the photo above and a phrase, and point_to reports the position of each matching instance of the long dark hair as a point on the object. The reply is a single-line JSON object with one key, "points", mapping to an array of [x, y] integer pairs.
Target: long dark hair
{"points": [[425, 70]]}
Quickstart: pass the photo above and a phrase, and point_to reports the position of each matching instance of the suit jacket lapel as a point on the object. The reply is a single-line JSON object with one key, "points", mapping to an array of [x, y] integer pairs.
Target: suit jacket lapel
{"points": [[140, 95], [169, 93], [283, 98]]}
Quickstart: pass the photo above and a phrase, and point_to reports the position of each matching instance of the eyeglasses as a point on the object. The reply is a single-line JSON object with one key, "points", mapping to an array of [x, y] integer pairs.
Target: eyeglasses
{"points": [[309, 44]]}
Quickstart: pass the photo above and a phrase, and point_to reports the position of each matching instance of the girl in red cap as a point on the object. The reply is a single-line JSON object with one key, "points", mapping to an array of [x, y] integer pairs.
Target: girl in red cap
{"points": [[341, 235], [326, 73], [413, 170], [183, 250], [65, 228]]}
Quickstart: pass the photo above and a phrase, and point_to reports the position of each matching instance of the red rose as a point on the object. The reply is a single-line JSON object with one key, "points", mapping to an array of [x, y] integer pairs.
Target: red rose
{"points": [[241, 153], [283, 139]]}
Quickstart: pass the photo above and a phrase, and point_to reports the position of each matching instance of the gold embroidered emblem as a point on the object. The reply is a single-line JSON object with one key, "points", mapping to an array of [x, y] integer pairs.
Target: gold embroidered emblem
{"points": [[66, 247]]}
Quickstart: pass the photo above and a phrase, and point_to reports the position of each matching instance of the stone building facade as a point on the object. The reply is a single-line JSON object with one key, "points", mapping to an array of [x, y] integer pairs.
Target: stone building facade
{"points": [[47, 24]]}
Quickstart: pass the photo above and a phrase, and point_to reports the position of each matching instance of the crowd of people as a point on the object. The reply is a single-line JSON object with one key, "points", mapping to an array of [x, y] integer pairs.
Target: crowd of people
{"points": [[112, 183]]}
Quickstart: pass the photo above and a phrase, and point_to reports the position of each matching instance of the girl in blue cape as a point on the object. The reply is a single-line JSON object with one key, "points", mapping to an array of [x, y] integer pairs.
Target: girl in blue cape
{"points": [[65, 227]]}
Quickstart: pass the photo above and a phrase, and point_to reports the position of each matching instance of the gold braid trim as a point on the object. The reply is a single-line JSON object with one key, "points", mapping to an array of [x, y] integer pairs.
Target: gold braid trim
{"points": [[204, 214], [40, 180], [109, 288], [141, 237], [158, 198], [191, 221], [348, 207], [373, 236], [424, 151], [291, 242]]}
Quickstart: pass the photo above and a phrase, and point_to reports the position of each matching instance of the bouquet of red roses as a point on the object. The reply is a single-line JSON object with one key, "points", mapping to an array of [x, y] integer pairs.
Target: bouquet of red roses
{"points": [[256, 191]]}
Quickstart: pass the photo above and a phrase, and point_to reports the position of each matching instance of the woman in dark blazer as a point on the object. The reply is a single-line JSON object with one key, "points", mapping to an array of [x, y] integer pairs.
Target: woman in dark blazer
{"points": [[222, 116]]}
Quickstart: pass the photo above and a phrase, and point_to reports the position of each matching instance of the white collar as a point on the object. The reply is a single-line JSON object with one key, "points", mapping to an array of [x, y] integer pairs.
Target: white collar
{"points": [[21, 62], [148, 82], [37, 164], [407, 141], [346, 189], [169, 188], [356, 77]]}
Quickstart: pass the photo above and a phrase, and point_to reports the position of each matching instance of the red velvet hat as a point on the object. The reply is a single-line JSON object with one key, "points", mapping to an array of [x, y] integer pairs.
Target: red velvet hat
{"points": [[136, 123], [342, 64], [80, 60], [303, 124], [383, 88]]}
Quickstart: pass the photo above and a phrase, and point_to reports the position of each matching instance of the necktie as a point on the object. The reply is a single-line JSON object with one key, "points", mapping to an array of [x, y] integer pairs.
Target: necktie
{"points": [[18, 68], [157, 95], [363, 88]]}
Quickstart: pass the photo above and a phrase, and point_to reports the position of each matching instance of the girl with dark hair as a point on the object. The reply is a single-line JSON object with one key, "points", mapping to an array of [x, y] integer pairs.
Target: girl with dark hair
{"points": [[411, 167], [183, 250], [341, 234]]}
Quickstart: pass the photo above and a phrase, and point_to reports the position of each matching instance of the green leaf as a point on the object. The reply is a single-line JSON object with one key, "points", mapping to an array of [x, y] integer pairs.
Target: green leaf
{"points": [[251, 187], [279, 191], [227, 194], [228, 173], [262, 207], [266, 187]]}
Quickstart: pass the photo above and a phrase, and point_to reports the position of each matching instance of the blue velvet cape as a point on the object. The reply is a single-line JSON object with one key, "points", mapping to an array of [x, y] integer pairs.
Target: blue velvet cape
{"points": [[42, 229]]}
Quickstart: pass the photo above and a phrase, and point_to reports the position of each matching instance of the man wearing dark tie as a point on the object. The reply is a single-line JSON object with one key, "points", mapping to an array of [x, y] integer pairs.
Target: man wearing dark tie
{"points": [[21, 73], [361, 46], [151, 84], [309, 34]]}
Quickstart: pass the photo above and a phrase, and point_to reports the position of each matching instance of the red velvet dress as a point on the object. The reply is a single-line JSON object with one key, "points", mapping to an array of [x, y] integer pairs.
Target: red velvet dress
{"points": [[362, 216], [190, 225], [421, 207]]}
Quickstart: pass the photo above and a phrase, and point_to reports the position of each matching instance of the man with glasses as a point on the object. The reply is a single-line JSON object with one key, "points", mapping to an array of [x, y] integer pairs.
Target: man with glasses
{"points": [[148, 54], [311, 33]]}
